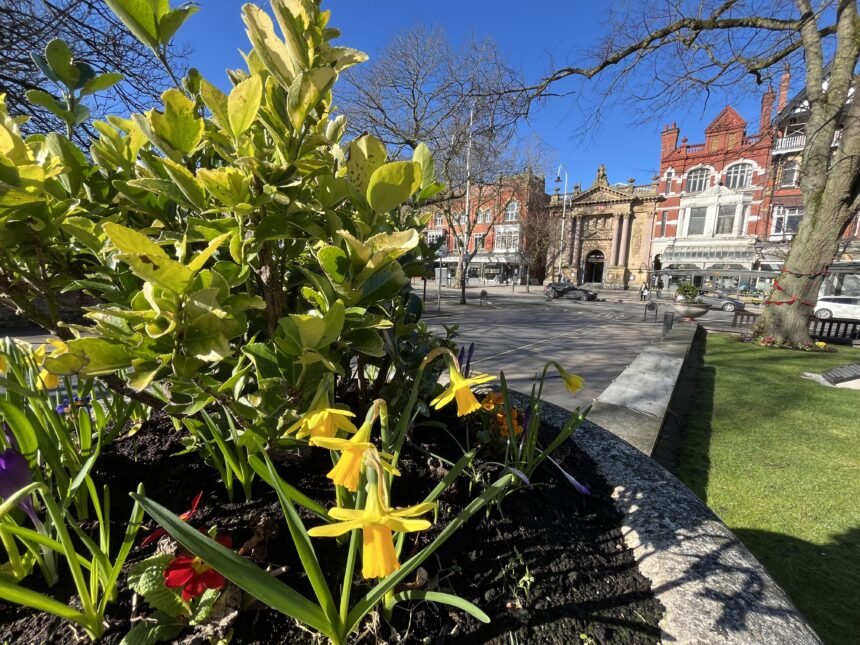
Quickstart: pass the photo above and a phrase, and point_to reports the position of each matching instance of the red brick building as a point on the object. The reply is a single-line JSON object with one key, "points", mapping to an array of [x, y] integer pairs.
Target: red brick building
{"points": [[492, 229], [715, 195]]}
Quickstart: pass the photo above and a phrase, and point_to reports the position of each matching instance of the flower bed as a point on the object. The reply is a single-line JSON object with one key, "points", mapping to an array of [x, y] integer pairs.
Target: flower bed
{"points": [[550, 566]]}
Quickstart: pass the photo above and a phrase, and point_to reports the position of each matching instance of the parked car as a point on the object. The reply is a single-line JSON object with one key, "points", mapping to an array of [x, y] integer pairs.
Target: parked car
{"points": [[718, 301], [838, 307], [558, 289]]}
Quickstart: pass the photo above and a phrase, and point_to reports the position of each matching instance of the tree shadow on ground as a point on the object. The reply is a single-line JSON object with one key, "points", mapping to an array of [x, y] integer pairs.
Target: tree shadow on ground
{"points": [[798, 566]]}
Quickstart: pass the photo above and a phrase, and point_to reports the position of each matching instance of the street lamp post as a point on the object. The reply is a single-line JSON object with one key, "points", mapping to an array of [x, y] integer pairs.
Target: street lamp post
{"points": [[563, 214]]}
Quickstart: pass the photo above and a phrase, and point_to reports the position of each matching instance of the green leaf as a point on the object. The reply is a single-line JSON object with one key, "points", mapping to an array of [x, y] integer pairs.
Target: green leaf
{"points": [[169, 23], [99, 356], [12, 592], [127, 240], [391, 184], [200, 259], [382, 285], [422, 156], [147, 579], [345, 57], [100, 83], [306, 91], [445, 598], [366, 341], [72, 158], [43, 66], [366, 154], [335, 263], [216, 101], [187, 183], [162, 271], [295, 20], [268, 47], [242, 573], [305, 549], [45, 100], [179, 125], [14, 197], [140, 18], [243, 104], [152, 629], [59, 57]]}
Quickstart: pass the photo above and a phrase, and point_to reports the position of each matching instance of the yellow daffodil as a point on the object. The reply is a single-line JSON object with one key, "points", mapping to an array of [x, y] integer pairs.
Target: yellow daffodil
{"points": [[376, 521], [821, 344], [322, 422], [47, 381], [347, 470], [573, 382], [460, 389]]}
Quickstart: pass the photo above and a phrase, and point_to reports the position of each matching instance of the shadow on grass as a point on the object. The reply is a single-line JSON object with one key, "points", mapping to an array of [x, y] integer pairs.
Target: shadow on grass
{"points": [[806, 572]]}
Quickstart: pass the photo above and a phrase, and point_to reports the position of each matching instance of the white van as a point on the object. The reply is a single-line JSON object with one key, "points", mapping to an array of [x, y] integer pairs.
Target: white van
{"points": [[838, 307]]}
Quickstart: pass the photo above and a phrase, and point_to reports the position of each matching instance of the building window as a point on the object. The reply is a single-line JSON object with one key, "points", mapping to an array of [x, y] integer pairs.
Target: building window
{"points": [[479, 241], [670, 177], [438, 219], [434, 236], [460, 218], [506, 240], [786, 221], [661, 224], [789, 174], [725, 220], [512, 212], [739, 176], [697, 180], [485, 216], [696, 225]]}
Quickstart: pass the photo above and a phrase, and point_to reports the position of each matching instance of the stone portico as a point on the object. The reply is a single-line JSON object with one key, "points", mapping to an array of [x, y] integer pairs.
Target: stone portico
{"points": [[607, 233]]}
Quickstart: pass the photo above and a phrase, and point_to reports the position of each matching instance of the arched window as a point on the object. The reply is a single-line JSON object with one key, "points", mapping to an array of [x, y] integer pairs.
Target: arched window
{"points": [[697, 180], [512, 212], [739, 176], [789, 174], [438, 219]]}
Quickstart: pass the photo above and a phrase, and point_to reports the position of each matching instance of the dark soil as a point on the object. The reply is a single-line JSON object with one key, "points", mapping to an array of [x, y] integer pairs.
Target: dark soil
{"points": [[549, 567]]}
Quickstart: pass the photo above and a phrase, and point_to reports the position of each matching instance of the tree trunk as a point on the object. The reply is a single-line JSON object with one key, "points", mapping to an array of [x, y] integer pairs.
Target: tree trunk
{"points": [[795, 291], [460, 278]]}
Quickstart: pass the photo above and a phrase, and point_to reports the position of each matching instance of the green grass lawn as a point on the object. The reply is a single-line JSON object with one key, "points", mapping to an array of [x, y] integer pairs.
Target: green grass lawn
{"points": [[777, 457]]}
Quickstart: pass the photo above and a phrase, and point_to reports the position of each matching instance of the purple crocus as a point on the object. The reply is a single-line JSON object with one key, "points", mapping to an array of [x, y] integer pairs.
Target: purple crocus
{"points": [[14, 475]]}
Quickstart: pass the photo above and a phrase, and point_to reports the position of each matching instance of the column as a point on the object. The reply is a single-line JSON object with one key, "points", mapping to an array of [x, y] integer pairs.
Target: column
{"points": [[616, 238], [577, 249], [625, 240]]}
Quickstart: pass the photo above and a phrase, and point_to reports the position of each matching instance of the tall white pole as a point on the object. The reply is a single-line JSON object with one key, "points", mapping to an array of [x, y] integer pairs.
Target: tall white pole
{"points": [[563, 213], [464, 228]]}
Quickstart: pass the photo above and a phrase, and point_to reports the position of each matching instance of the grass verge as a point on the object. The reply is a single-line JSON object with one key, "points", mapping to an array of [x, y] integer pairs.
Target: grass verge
{"points": [[777, 457]]}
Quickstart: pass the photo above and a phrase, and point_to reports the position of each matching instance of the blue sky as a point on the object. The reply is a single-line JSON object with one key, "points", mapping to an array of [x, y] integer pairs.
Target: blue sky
{"points": [[529, 34]]}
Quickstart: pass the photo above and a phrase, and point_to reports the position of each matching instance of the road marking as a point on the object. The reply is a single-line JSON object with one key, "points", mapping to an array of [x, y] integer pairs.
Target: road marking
{"points": [[540, 342]]}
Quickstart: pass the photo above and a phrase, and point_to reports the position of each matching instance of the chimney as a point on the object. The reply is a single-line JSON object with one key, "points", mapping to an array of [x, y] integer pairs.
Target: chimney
{"points": [[784, 82], [766, 110], [669, 138]]}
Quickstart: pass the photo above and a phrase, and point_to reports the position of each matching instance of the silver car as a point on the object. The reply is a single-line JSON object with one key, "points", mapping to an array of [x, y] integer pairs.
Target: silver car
{"points": [[719, 301]]}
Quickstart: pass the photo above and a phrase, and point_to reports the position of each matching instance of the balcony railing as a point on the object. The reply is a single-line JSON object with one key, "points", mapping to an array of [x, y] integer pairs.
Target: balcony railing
{"points": [[797, 142]]}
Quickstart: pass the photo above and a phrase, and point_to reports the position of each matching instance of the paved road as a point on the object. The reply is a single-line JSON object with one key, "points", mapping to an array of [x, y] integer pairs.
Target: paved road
{"points": [[519, 333]]}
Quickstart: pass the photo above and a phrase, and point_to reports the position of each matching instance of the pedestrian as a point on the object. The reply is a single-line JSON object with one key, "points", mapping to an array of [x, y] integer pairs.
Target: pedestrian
{"points": [[642, 288], [646, 293]]}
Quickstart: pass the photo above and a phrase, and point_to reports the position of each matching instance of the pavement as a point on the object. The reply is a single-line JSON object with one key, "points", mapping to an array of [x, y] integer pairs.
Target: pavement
{"points": [[518, 331]]}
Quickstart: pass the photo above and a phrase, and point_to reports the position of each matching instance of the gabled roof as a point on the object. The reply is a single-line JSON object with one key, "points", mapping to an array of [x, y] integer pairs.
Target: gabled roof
{"points": [[728, 119]]}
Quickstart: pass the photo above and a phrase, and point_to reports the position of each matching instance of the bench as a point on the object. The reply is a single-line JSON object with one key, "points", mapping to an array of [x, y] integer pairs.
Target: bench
{"points": [[835, 330], [744, 318]]}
